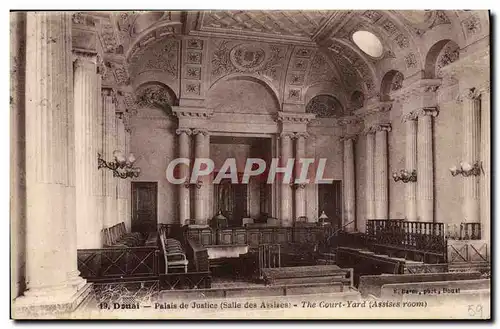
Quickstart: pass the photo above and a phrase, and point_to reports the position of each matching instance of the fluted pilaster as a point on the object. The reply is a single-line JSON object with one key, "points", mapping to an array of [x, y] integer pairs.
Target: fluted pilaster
{"points": [[109, 135], [121, 183], [184, 140], [410, 121], [471, 115], [300, 192], [50, 222], [425, 170], [128, 183], [381, 177], [286, 153], [99, 177], [349, 185], [369, 194], [201, 197], [485, 179]]}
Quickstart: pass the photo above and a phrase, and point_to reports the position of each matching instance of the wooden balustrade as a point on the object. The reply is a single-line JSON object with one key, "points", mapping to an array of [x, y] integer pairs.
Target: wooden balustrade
{"points": [[407, 236], [463, 231]]}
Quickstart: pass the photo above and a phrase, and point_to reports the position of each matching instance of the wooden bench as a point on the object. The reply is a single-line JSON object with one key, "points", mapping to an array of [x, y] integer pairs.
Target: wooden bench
{"points": [[308, 275], [372, 284], [174, 254]]}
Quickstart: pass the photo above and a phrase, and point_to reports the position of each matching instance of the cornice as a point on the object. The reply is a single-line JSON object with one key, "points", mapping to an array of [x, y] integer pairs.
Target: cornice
{"points": [[373, 107], [192, 112], [417, 89], [476, 63], [285, 117]]}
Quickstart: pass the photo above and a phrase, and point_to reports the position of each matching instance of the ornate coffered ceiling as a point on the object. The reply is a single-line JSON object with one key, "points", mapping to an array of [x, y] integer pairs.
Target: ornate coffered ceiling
{"points": [[294, 25], [189, 51]]}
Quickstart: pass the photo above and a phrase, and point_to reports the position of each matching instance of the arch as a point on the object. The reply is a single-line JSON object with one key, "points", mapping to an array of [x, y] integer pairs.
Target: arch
{"points": [[326, 88], [243, 93], [248, 77], [435, 52], [154, 94], [392, 81], [325, 106]]}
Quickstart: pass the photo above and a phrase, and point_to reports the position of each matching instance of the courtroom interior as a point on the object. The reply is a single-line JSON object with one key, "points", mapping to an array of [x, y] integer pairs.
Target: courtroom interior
{"points": [[397, 102]]}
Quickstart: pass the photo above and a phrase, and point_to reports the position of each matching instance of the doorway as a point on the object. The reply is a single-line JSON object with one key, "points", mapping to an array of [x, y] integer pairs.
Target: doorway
{"points": [[144, 206], [330, 201]]}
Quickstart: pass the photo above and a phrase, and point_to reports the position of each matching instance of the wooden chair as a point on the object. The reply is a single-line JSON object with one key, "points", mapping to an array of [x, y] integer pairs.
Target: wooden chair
{"points": [[174, 255]]}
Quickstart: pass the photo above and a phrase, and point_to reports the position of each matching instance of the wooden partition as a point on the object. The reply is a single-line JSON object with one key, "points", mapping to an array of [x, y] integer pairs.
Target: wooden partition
{"points": [[118, 263], [257, 236]]}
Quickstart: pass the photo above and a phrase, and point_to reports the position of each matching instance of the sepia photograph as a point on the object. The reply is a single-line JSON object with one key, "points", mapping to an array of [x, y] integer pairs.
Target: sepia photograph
{"points": [[250, 164]]}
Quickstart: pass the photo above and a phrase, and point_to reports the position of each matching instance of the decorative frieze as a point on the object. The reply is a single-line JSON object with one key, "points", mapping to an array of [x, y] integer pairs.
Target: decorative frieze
{"points": [[192, 112]]}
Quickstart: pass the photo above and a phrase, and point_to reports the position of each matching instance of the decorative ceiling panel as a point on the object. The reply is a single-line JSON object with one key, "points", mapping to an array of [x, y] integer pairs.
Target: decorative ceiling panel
{"points": [[301, 24]]}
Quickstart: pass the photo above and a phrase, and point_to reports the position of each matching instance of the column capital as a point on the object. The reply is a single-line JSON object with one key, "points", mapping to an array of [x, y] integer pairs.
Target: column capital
{"points": [[110, 92], [469, 94], [348, 137], [298, 135], [378, 127], [200, 131], [428, 111], [288, 134], [411, 116], [187, 131], [81, 58]]}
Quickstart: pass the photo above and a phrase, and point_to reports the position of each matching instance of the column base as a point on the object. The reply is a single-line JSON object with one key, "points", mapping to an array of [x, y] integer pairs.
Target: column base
{"points": [[50, 306], [76, 280]]}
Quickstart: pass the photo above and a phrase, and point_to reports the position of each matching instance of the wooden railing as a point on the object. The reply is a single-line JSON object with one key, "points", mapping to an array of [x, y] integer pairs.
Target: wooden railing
{"points": [[110, 264], [406, 235], [269, 257], [463, 231]]}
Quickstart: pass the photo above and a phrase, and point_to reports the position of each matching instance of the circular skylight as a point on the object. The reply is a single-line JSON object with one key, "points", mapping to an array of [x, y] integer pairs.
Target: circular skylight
{"points": [[368, 42]]}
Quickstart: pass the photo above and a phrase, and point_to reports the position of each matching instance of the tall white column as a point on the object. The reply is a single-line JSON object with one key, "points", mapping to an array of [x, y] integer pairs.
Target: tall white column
{"points": [[85, 84], [381, 177], [471, 107], [485, 161], [98, 188], [201, 198], [349, 185], [109, 135], [300, 192], [425, 164], [50, 264], [369, 194], [410, 121], [286, 190], [121, 183], [184, 195]]}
